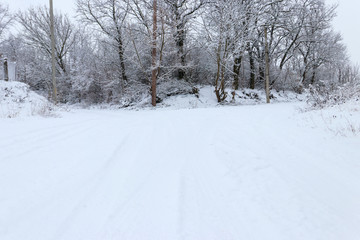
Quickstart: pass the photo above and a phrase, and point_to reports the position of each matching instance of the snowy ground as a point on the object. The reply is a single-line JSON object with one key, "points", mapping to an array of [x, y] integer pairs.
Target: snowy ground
{"points": [[226, 173]]}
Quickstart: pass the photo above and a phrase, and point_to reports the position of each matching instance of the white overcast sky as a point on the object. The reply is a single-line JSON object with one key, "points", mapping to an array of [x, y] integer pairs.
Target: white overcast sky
{"points": [[347, 22]]}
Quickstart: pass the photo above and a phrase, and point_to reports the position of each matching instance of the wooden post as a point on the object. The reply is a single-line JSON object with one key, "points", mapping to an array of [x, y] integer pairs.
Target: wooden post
{"points": [[153, 55], [52, 33], [267, 68], [6, 70]]}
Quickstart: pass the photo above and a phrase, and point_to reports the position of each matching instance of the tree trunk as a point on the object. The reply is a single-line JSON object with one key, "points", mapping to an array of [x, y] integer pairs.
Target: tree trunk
{"points": [[261, 71], [236, 70], [218, 61], [180, 39], [267, 69], [61, 63], [121, 59], [53, 68], [6, 70], [153, 55], [303, 76], [313, 76], [252, 70]]}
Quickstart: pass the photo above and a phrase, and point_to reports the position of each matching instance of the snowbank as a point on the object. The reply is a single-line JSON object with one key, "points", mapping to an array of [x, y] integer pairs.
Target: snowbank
{"points": [[17, 100], [206, 98], [186, 97], [342, 119]]}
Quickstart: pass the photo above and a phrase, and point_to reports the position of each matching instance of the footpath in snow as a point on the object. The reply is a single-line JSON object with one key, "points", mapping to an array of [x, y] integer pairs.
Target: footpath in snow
{"points": [[245, 172]]}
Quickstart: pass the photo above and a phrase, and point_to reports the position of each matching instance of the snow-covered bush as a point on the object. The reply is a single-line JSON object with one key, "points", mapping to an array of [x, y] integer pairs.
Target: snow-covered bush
{"points": [[173, 87], [17, 100], [338, 106], [325, 94]]}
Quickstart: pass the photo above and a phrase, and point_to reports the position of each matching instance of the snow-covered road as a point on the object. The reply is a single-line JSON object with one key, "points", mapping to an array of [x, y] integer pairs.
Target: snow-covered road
{"points": [[230, 173]]}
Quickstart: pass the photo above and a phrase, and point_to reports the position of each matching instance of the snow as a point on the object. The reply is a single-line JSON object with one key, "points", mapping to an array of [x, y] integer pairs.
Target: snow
{"points": [[206, 98], [250, 172], [17, 100], [342, 119]]}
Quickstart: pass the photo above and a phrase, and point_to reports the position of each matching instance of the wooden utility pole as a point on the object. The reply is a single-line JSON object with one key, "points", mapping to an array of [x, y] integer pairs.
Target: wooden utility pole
{"points": [[52, 33], [6, 70], [153, 55], [267, 68]]}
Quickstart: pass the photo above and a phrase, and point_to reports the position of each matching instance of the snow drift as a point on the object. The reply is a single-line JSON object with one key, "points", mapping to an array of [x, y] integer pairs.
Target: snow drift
{"points": [[17, 100]]}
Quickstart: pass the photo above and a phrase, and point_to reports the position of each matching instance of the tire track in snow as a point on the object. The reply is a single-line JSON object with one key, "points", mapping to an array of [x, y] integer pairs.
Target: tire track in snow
{"points": [[150, 195], [61, 194], [30, 135], [108, 175], [196, 189], [214, 200], [124, 215], [42, 141], [92, 184], [40, 145]]}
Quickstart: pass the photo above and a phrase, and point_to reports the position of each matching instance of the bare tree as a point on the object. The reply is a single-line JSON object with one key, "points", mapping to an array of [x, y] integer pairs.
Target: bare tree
{"points": [[227, 27], [36, 25], [316, 37], [219, 42], [180, 12], [5, 19], [109, 17]]}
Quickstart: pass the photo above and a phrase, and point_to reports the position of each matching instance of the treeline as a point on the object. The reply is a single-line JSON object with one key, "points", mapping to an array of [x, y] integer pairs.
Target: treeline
{"points": [[105, 56]]}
